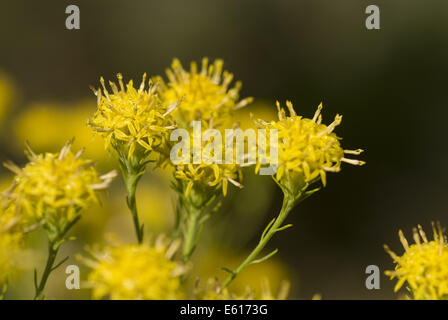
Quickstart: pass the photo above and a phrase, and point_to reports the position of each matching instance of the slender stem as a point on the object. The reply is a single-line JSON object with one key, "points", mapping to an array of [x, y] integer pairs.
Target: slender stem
{"points": [[56, 237], [131, 180], [191, 232], [288, 204], [52, 253], [4, 289]]}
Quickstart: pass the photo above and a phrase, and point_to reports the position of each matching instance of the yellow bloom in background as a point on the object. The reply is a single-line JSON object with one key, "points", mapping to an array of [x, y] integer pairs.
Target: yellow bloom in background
{"points": [[48, 125], [11, 241], [156, 210], [423, 266], [214, 291], [143, 272], [131, 118], [6, 95], [263, 110], [211, 259], [206, 94], [56, 184], [306, 147]]}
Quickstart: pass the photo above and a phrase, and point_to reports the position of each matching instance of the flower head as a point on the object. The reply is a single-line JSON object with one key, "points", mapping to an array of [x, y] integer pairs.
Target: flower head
{"points": [[206, 93], [131, 119], [307, 149], [56, 184], [210, 173], [423, 265], [136, 271]]}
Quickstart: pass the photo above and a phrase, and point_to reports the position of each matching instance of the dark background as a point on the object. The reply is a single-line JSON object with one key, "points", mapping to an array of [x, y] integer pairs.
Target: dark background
{"points": [[389, 84]]}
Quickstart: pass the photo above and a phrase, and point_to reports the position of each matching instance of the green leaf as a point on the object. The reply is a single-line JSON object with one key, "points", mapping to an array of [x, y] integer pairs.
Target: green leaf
{"points": [[283, 228], [267, 229], [266, 257]]}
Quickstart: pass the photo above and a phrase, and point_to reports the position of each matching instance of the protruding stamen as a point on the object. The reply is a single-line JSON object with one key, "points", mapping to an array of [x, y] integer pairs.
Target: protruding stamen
{"points": [[355, 152], [142, 85], [120, 81], [416, 238], [317, 113], [403, 240], [353, 162], [422, 234], [290, 107], [337, 121]]}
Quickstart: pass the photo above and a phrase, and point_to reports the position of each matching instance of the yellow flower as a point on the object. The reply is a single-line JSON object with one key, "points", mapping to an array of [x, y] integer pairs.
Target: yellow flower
{"points": [[131, 118], [214, 291], [11, 241], [208, 175], [6, 95], [423, 265], [61, 121], [143, 272], [306, 148], [56, 184], [214, 258], [206, 94]]}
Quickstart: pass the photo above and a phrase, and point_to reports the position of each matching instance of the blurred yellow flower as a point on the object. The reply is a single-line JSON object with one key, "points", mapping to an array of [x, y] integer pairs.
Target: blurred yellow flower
{"points": [[263, 110], [211, 259], [6, 95], [143, 272], [56, 184], [306, 147], [214, 291], [129, 119], [11, 241], [423, 265], [205, 93], [49, 125]]}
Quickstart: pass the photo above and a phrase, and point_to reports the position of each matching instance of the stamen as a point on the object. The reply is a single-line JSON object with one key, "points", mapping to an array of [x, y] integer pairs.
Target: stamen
{"points": [[403, 240], [353, 162], [317, 113], [355, 152]]}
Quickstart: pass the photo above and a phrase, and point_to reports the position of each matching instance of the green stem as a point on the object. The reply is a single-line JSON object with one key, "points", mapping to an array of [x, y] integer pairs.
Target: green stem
{"points": [[4, 289], [131, 180], [52, 253], [288, 204], [191, 233], [57, 236]]}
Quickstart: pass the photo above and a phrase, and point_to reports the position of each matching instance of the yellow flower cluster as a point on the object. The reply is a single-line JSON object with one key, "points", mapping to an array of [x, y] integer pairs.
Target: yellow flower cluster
{"points": [[135, 118], [206, 93], [143, 272], [208, 174], [306, 146], [56, 184], [423, 265], [11, 241]]}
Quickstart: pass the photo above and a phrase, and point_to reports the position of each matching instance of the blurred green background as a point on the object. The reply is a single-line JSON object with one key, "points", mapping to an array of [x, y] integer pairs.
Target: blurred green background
{"points": [[389, 84]]}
